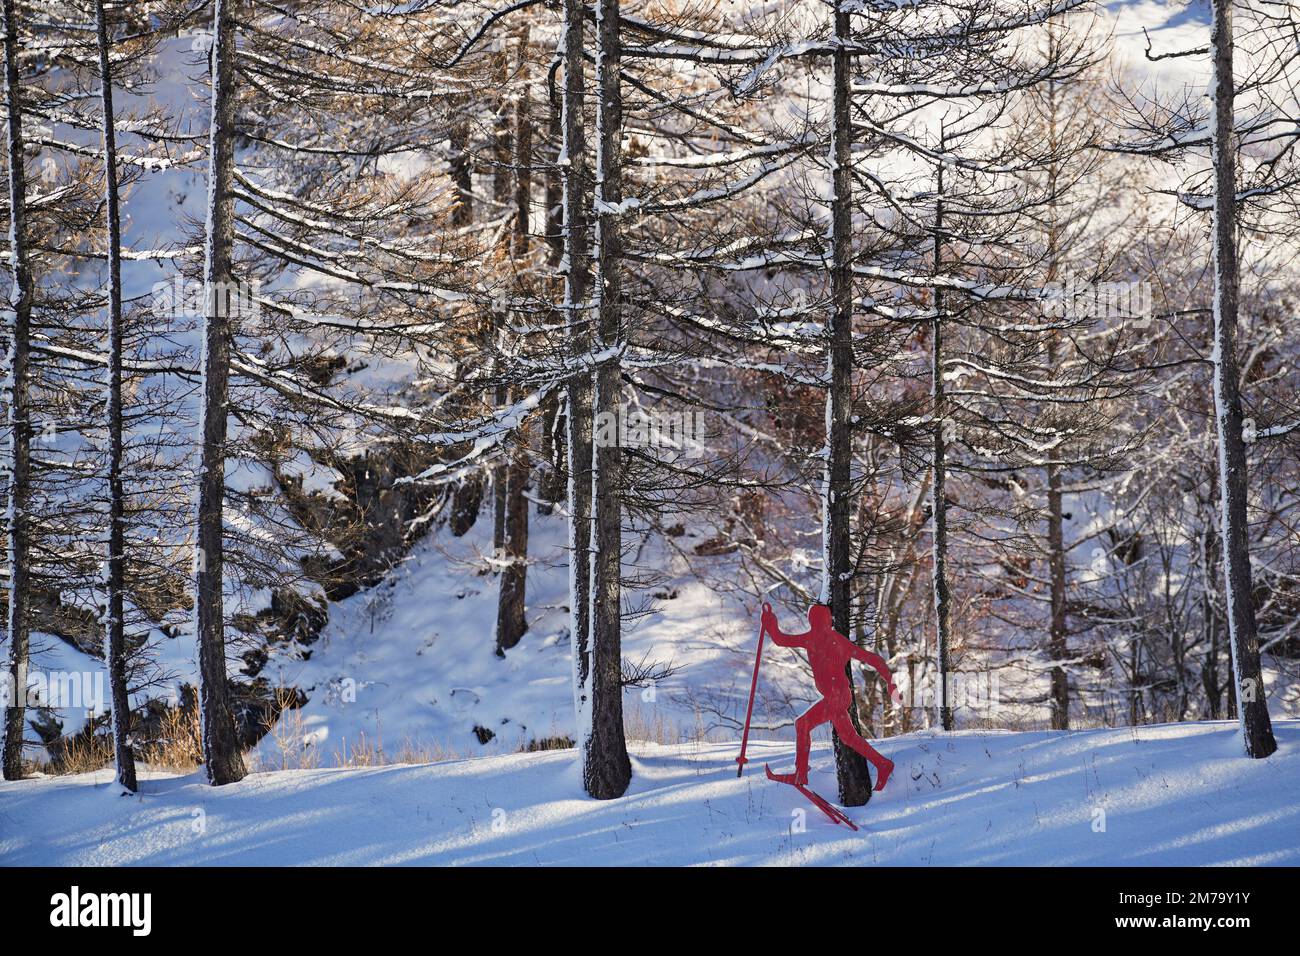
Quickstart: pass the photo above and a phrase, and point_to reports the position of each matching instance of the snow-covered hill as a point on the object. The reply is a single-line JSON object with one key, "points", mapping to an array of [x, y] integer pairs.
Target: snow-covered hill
{"points": [[1169, 794], [410, 666]]}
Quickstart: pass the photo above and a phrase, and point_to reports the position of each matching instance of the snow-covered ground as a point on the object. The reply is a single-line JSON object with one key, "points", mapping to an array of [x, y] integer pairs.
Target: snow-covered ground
{"points": [[411, 666], [1177, 794]]}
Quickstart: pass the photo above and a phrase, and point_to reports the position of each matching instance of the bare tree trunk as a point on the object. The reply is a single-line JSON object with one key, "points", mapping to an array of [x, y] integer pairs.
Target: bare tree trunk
{"points": [[1212, 632], [939, 527], [1057, 639], [499, 497], [1057, 646], [20, 303], [460, 170], [1256, 729], [555, 181], [502, 154], [606, 767], [220, 745], [576, 265], [523, 158], [901, 582], [552, 479], [467, 494], [850, 767], [512, 594], [939, 478], [115, 624], [512, 621], [867, 704]]}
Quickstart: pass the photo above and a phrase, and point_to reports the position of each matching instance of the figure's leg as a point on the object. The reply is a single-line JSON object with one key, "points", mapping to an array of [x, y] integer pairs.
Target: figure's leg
{"points": [[849, 734], [814, 716]]}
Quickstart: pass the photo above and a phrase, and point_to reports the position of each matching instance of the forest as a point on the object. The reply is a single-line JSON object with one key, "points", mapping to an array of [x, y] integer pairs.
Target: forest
{"points": [[966, 318]]}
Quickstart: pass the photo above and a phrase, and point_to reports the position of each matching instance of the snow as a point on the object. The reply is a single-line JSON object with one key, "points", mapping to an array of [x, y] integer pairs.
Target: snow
{"points": [[1170, 794], [411, 665], [411, 660]]}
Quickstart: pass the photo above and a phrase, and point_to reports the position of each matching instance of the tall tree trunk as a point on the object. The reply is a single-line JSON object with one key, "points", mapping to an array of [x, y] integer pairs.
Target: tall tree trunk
{"points": [[512, 594], [867, 703], [850, 767], [1135, 683], [552, 477], [1212, 631], [523, 152], [900, 584], [1243, 639], [1057, 646], [939, 533], [502, 181], [20, 304], [1057, 638], [512, 621], [460, 170], [576, 266], [551, 480], [220, 744], [554, 178], [467, 494], [606, 768], [939, 479], [115, 624]]}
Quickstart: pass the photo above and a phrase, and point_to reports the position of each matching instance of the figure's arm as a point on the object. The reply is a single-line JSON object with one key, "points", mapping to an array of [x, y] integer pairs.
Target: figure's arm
{"points": [[877, 663], [778, 636]]}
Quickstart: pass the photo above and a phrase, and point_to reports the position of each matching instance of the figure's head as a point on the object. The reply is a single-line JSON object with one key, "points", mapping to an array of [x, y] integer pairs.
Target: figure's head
{"points": [[819, 615]]}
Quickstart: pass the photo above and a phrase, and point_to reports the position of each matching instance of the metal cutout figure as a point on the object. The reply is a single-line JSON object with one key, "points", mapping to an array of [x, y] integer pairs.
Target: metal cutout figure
{"points": [[829, 653]]}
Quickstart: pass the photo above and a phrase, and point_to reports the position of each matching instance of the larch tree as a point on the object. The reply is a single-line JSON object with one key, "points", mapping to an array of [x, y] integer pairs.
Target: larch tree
{"points": [[606, 768], [837, 490], [1243, 636], [69, 396], [18, 457], [575, 265], [1247, 171], [222, 760], [115, 650]]}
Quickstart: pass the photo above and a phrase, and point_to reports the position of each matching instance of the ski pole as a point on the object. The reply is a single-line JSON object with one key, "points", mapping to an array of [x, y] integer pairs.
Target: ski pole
{"points": [[753, 686]]}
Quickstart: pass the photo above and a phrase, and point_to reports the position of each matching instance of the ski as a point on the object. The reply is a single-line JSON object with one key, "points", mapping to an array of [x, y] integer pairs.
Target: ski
{"points": [[833, 813]]}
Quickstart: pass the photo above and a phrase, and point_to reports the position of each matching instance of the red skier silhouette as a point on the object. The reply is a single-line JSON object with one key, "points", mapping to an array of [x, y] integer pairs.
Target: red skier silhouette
{"points": [[828, 654]]}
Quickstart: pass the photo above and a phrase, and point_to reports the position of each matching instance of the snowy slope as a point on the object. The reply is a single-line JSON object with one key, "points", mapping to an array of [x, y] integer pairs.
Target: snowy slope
{"points": [[410, 665], [1167, 794]]}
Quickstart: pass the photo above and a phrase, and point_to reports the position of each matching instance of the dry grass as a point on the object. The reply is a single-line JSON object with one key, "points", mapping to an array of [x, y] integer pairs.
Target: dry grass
{"points": [[179, 746], [361, 752], [649, 725], [177, 749], [293, 747], [83, 754], [366, 751], [412, 751]]}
